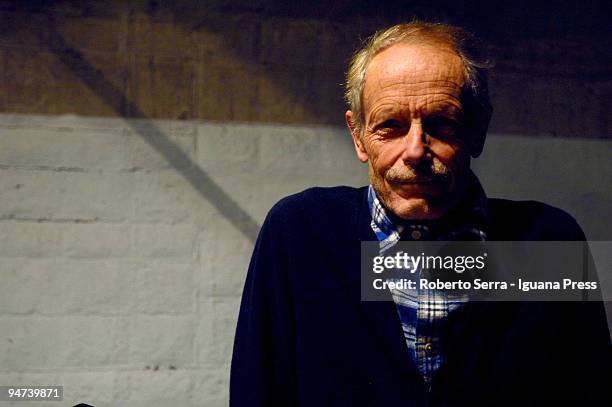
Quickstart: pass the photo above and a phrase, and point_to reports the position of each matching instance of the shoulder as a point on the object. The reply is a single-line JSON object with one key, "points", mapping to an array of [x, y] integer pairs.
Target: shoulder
{"points": [[314, 214], [318, 202], [531, 220]]}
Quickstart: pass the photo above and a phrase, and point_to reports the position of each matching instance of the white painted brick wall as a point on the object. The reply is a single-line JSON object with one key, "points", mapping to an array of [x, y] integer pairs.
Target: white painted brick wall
{"points": [[121, 282]]}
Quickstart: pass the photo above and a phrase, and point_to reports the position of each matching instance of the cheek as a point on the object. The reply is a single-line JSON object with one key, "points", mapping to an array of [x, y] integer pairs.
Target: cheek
{"points": [[452, 156], [381, 158]]}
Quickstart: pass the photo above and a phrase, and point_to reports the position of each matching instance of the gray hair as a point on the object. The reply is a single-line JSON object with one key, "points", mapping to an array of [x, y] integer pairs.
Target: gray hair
{"points": [[462, 42]]}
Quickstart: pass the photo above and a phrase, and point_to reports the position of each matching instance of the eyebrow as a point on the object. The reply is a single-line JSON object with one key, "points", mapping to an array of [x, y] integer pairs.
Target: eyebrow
{"points": [[383, 114], [447, 109]]}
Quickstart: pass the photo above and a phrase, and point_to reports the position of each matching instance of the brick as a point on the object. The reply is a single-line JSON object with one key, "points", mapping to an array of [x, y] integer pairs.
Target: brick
{"points": [[65, 147], [301, 148], [97, 196], [29, 342], [223, 146], [31, 287], [162, 287], [161, 340], [165, 241], [97, 287], [91, 342], [225, 255], [61, 123], [97, 388], [64, 195], [26, 194], [155, 147], [161, 387], [35, 379], [211, 387], [92, 150], [25, 239], [87, 124], [243, 190], [164, 196], [121, 138], [171, 128], [31, 147], [339, 152], [96, 240], [216, 329]]}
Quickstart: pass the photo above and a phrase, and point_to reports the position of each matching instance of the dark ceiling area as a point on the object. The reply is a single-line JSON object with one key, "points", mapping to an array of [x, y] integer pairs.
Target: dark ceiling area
{"points": [[284, 62], [524, 18]]}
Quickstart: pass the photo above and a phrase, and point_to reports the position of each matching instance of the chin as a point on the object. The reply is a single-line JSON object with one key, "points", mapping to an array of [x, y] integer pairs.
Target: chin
{"points": [[415, 209]]}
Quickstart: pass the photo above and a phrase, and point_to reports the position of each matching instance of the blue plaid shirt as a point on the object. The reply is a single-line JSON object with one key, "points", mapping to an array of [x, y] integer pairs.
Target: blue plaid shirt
{"points": [[423, 313]]}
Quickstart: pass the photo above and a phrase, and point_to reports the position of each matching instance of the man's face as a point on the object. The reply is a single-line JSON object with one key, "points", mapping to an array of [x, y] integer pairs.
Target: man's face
{"points": [[413, 136]]}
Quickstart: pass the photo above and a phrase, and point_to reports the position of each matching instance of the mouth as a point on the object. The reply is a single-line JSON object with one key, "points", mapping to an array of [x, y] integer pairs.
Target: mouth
{"points": [[419, 187], [412, 182], [419, 181]]}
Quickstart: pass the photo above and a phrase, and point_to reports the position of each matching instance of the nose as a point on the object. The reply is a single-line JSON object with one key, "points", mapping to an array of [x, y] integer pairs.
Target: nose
{"points": [[415, 147]]}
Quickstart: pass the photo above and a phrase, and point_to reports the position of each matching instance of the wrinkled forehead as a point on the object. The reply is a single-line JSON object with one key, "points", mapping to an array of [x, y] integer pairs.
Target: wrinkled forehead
{"points": [[415, 68]]}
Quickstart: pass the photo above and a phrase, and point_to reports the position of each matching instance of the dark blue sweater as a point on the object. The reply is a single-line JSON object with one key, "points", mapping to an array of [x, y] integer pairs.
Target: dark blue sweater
{"points": [[304, 337]]}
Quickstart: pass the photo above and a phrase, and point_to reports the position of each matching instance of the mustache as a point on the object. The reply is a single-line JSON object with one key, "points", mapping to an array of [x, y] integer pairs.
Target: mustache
{"points": [[432, 171]]}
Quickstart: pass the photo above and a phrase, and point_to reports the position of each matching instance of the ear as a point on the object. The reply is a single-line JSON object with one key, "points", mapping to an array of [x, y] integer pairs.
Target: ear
{"points": [[480, 131], [362, 154]]}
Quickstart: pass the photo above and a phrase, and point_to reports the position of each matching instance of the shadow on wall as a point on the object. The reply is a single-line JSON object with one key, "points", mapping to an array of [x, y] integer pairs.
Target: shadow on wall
{"points": [[151, 134]]}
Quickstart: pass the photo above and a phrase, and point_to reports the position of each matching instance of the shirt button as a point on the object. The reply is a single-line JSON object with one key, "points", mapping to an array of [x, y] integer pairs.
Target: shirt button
{"points": [[428, 347], [416, 234]]}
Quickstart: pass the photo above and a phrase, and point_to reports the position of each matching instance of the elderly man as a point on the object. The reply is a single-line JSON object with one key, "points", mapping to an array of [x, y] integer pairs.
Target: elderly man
{"points": [[419, 111]]}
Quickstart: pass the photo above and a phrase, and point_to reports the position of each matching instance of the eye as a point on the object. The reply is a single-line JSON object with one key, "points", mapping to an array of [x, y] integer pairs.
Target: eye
{"points": [[391, 124], [441, 126]]}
